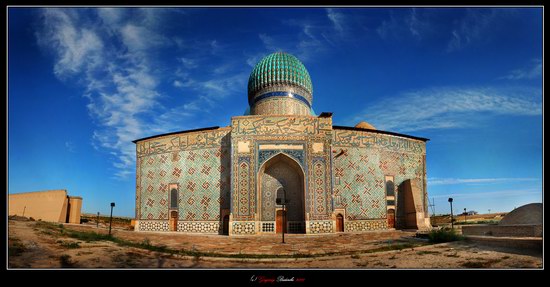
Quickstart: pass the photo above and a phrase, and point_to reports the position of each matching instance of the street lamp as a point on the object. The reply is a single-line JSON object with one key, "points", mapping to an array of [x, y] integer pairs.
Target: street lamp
{"points": [[465, 214], [451, 202], [111, 219], [282, 201]]}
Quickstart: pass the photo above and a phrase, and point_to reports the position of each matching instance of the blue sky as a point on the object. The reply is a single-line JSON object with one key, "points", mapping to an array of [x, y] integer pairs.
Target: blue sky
{"points": [[85, 82]]}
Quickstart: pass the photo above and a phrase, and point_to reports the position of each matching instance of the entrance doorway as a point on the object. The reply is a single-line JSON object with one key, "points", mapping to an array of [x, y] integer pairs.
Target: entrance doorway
{"points": [[173, 220], [279, 173], [391, 218], [225, 229], [280, 222], [339, 223]]}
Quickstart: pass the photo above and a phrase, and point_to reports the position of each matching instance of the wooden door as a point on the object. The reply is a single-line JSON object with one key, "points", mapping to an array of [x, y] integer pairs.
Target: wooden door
{"points": [[174, 221], [339, 223], [391, 218], [280, 224], [226, 225]]}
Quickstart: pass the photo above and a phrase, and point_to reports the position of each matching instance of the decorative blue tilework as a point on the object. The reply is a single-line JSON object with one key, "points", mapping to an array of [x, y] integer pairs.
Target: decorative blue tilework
{"points": [[264, 155], [282, 94]]}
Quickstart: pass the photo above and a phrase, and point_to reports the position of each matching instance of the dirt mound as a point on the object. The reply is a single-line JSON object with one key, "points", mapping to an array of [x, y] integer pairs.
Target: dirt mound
{"points": [[18, 218], [526, 214]]}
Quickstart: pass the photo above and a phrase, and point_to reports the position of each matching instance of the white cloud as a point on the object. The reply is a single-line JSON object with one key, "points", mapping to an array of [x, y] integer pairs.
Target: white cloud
{"points": [[452, 181], [188, 63], [309, 41], [493, 194], [111, 16], [114, 54], [337, 19], [254, 59], [532, 72], [70, 146], [218, 88], [309, 44], [447, 107], [414, 24], [138, 38], [121, 90], [76, 47], [474, 27], [269, 43], [409, 25]]}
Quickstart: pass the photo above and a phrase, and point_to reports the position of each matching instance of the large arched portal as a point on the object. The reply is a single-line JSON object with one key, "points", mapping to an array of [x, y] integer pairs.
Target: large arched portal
{"points": [[279, 172]]}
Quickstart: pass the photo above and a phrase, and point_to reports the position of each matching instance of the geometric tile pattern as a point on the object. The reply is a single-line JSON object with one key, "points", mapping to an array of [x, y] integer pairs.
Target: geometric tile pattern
{"points": [[365, 225], [320, 227], [319, 205], [151, 225], [361, 184], [280, 106], [242, 195], [268, 226], [240, 228], [202, 175], [361, 169], [199, 227]]}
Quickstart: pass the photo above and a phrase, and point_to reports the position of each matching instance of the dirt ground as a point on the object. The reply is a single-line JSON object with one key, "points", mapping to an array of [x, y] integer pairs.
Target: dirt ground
{"points": [[37, 245]]}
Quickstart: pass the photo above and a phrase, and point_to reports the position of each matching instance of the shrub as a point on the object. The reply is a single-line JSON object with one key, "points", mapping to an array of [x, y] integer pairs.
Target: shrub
{"points": [[66, 261], [16, 248], [70, 245], [444, 235], [88, 236]]}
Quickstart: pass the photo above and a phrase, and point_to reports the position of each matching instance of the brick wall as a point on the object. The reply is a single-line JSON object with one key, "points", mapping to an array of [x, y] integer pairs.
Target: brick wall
{"points": [[504, 230]]}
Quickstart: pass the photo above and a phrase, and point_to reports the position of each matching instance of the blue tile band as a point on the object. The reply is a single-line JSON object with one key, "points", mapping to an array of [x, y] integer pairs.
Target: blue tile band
{"points": [[281, 94]]}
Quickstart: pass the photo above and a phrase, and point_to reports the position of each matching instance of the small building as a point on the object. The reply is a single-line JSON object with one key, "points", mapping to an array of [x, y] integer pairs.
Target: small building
{"points": [[49, 205]]}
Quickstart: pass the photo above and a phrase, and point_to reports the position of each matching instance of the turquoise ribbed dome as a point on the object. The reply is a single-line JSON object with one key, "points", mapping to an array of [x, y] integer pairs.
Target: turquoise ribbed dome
{"points": [[279, 69]]}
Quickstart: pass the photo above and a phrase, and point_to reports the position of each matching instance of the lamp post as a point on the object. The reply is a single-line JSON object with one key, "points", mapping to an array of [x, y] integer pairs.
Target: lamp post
{"points": [[283, 201], [284, 217], [451, 202], [111, 219], [464, 214]]}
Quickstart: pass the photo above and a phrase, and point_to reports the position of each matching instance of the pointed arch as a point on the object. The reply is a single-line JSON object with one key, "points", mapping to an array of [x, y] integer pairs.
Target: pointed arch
{"points": [[281, 170]]}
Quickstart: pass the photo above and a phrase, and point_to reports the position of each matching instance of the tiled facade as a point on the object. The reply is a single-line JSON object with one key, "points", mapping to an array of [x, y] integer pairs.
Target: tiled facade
{"points": [[199, 164], [366, 158], [239, 170]]}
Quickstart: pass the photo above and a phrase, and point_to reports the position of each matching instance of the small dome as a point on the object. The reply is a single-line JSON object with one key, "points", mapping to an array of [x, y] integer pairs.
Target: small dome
{"points": [[365, 125]]}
